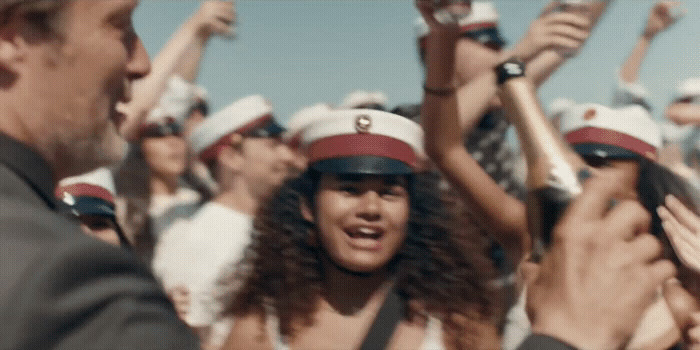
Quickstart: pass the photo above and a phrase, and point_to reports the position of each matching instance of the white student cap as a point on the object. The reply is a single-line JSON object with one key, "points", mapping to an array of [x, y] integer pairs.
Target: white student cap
{"points": [[301, 120], [90, 193], [250, 116], [364, 141], [597, 130]]}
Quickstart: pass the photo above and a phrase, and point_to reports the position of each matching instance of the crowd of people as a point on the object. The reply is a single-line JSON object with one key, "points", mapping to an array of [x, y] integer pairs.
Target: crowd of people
{"points": [[133, 217]]}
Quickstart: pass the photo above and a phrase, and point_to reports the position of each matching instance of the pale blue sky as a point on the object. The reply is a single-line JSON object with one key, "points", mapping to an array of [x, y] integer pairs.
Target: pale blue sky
{"points": [[300, 52]]}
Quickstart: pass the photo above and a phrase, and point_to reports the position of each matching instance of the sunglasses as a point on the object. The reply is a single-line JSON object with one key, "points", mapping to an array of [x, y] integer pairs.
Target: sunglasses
{"points": [[169, 128]]}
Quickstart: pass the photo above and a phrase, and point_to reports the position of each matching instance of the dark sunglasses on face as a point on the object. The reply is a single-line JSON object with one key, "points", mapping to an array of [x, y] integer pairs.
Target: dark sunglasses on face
{"points": [[169, 128]]}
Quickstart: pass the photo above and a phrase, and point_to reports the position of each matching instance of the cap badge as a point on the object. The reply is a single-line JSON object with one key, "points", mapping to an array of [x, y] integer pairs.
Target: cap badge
{"points": [[68, 198], [363, 123], [590, 114]]}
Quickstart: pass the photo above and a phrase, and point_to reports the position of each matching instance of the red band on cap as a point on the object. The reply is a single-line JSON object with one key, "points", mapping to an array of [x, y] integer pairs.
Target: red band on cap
{"points": [[210, 153], [362, 145], [86, 190], [610, 137], [477, 26]]}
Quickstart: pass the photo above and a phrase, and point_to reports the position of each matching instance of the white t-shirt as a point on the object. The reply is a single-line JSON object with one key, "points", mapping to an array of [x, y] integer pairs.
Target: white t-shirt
{"points": [[195, 254], [166, 210]]}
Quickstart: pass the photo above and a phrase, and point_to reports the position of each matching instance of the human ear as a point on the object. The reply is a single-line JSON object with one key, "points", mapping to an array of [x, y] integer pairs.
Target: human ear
{"points": [[13, 49]]}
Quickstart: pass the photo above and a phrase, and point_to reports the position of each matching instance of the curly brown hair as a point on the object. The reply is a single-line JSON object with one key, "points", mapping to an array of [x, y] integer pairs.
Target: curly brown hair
{"points": [[282, 269]]}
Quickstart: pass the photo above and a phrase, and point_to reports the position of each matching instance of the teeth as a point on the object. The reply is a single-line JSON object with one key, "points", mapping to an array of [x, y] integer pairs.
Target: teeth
{"points": [[366, 231]]}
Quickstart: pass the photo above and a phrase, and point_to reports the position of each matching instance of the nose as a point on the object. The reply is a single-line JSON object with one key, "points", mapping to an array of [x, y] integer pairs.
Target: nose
{"points": [[139, 65], [369, 206]]}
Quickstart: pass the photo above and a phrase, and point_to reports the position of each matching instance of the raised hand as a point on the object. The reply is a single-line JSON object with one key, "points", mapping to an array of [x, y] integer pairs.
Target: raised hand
{"points": [[215, 17], [601, 272], [662, 16], [682, 227], [555, 30]]}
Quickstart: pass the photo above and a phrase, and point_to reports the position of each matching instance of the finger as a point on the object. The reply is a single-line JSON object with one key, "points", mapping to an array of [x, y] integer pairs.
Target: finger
{"points": [[661, 270], [681, 303], [677, 232], [570, 19], [693, 337], [549, 8], [567, 31], [594, 201], [626, 220], [684, 215]]}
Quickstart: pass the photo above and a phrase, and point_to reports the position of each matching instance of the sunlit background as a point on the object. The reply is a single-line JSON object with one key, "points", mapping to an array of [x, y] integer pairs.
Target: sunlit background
{"points": [[301, 52]]}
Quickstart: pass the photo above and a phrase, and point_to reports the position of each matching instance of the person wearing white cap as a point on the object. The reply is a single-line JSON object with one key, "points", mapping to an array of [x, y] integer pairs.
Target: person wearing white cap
{"points": [[365, 99], [296, 125], [152, 193], [180, 56], [685, 109], [462, 68], [357, 248], [662, 15], [241, 144], [90, 197], [619, 138], [479, 48]]}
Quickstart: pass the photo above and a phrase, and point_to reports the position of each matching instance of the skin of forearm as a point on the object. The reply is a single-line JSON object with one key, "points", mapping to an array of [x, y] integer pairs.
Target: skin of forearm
{"points": [[629, 71]]}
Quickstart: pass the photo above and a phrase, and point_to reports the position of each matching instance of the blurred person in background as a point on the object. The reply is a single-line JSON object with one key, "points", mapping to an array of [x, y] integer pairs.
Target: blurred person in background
{"points": [[365, 99], [472, 150], [90, 197], [168, 96], [241, 145], [685, 109], [151, 191], [295, 126]]}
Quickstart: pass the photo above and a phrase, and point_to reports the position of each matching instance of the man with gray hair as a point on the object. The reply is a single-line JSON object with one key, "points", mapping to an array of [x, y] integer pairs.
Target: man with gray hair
{"points": [[64, 66]]}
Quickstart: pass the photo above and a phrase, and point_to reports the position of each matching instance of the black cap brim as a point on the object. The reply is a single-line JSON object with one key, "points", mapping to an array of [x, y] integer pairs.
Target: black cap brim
{"points": [[268, 129], [92, 206], [604, 151], [365, 164]]}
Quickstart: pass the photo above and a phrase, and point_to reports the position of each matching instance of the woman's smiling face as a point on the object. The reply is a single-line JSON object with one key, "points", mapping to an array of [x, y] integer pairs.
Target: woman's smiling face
{"points": [[361, 220]]}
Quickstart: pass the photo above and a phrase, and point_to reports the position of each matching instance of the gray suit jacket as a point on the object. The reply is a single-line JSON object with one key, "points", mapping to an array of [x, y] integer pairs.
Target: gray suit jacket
{"points": [[60, 289]]}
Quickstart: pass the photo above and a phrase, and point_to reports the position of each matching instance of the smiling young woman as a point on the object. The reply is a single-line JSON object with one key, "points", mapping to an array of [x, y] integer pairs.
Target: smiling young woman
{"points": [[362, 223]]}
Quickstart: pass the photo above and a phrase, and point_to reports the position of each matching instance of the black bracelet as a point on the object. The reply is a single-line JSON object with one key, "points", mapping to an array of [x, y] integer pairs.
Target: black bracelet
{"points": [[438, 91]]}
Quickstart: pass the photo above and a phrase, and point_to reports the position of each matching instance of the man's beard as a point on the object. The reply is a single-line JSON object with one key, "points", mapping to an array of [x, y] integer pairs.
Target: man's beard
{"points": [[80, 156]]}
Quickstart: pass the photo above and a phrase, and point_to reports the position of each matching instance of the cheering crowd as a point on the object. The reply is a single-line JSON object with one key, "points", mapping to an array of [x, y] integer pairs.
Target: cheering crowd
{"points": [[134, 217]]}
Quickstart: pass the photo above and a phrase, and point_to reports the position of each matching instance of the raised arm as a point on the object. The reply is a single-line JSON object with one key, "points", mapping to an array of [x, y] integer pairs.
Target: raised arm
{"points": [[660, 18], [503, 214], [540, 48], [180, 55]]}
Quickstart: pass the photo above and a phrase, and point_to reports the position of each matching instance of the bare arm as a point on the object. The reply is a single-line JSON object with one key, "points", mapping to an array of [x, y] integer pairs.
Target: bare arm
{"points": [[180, 55], [504, 215], [660, 18], [547, 35]]}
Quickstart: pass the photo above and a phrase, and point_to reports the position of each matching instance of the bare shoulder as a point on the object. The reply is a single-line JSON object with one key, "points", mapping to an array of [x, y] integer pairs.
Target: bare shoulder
{"points": [[249, 332]]}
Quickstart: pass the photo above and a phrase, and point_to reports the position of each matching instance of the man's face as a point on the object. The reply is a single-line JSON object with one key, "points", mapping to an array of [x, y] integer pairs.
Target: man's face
{"points": [[76, 81], [267, 162]]}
